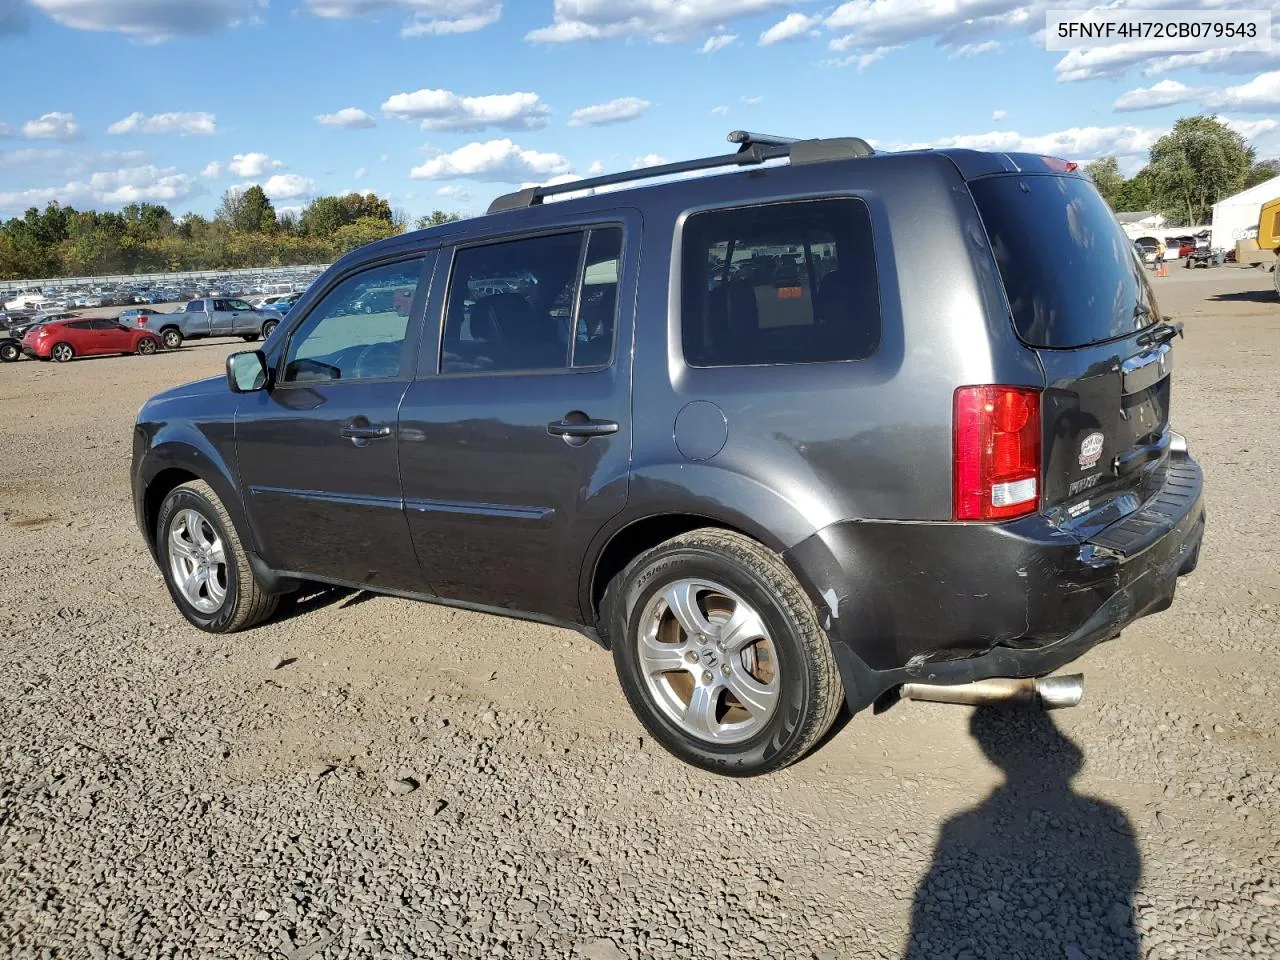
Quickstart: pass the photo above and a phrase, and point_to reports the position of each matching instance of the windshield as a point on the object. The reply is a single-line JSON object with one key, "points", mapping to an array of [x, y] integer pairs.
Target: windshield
{"points": [[1069, 271]]}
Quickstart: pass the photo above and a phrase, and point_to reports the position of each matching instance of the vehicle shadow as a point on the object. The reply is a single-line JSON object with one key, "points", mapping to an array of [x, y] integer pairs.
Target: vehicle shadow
{"points": [[1034, 871], [311, 597], [1246, 296]]}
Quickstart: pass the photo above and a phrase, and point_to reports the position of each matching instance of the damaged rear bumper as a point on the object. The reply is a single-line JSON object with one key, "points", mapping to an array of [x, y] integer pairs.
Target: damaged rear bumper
{"points": [[955, 602]]}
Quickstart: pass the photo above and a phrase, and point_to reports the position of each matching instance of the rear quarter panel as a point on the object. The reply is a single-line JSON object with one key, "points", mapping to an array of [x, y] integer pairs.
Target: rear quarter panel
{"points": [[811, 444]]}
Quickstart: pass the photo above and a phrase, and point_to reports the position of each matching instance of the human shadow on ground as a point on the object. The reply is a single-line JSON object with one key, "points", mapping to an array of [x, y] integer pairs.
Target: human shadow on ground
{"points": [[1246, 296], [1036, 871]]}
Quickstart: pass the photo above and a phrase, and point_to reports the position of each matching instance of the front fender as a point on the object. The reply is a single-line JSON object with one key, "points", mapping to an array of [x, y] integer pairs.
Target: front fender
{"points": [[205, 453]]}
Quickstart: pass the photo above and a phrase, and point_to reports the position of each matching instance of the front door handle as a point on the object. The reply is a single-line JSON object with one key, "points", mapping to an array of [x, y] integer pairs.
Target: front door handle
{"points": [[581, 428], [366, 431]]}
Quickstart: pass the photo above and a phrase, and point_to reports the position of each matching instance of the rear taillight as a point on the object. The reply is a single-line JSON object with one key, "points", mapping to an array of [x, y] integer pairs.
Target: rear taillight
{"points": [[996, 464]]}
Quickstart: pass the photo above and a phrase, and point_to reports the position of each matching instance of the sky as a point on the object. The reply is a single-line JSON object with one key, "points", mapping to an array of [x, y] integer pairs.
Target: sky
{"points": [[448, 103]]}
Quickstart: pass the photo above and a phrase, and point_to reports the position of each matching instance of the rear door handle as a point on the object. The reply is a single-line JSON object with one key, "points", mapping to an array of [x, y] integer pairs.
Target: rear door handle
{"points": [[371, 431], [581, 428]]}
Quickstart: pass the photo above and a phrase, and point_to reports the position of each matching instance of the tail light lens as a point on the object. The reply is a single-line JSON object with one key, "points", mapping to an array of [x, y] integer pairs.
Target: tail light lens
{"points": [[996, 466]]}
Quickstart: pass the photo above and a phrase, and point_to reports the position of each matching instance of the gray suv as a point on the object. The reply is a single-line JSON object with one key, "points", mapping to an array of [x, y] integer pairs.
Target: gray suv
{"points": [[827, 427]]}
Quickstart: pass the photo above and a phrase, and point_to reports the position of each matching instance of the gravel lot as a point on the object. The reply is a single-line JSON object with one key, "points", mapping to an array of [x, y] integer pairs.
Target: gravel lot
{"points": [[368, 777]]}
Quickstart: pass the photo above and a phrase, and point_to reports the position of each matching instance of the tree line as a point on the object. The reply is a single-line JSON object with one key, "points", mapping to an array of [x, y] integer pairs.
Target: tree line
{"points": [[246, 231], [1196, 164]]}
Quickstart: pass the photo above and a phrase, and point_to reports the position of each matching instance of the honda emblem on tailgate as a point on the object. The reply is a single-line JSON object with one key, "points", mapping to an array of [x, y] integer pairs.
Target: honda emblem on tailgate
{"points": [[1091, 451]]}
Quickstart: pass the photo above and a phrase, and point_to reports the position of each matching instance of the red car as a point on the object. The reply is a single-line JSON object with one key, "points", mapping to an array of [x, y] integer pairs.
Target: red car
{"points": [[64, 340]]}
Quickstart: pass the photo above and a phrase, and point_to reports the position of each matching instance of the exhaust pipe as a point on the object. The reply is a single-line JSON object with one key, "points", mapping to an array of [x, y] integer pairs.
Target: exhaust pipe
{"points": [[1049, 693]]}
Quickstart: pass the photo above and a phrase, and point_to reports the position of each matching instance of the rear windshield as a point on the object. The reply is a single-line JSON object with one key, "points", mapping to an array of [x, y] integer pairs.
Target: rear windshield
{"points": [[1071, 274]]}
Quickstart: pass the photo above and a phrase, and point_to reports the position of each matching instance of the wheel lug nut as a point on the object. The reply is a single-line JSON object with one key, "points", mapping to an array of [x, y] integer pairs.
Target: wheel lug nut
{"points": [[706, 676], [691, 657], [724, 669]]}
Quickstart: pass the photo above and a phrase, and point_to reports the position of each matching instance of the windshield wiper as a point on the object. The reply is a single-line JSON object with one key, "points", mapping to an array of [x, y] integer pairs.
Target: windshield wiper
{"points": [[1161, 333]]}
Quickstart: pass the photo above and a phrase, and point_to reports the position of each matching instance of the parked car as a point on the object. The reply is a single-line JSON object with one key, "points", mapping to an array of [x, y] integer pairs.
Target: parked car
{"points": [[10, 347], [140, 316], [768, 491], [63, 340], [212, 317], [20, 330]]}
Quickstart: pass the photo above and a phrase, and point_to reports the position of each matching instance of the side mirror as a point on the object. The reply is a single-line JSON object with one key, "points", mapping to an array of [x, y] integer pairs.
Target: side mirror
{"points": [[247, 371]]}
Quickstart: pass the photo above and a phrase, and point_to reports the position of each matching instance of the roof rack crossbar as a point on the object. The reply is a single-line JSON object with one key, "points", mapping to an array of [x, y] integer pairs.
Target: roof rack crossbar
{"points": [[747, 139], [531, 196]]}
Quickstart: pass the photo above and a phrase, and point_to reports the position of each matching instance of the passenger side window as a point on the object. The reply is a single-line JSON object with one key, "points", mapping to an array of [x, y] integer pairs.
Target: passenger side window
{"points": [[195, 306], [524, 305], [780, 283], [358, 330], [104, 324]]}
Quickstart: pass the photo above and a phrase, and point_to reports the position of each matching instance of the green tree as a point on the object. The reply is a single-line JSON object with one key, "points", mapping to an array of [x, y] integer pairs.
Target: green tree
{"points": [[1135, 194], [365, 230], [437, 217], [323, 217], [1106, 176], [1261, 173], [1200, 161], [247, 210]]}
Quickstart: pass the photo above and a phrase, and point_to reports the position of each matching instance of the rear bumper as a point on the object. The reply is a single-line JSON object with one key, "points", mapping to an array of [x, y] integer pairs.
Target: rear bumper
{"points": [[952, 603]]}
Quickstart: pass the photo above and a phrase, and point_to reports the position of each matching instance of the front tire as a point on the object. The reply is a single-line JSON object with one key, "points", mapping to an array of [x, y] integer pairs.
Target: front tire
{"points": [[269, 328], [205, 565], [9, 352], [721, 655], [147, 346], [62, 352], [172, 338]]}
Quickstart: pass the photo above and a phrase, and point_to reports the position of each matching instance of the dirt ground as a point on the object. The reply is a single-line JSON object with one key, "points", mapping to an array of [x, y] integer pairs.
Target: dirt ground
{"points": [[167, 793]]}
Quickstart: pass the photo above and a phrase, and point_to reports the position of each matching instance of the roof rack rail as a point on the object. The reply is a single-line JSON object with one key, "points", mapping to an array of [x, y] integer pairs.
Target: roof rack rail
{"points": [[754, 148]]}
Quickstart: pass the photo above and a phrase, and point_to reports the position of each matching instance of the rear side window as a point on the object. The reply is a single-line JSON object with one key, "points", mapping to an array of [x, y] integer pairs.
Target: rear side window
{"points": [[1069, 271], [535, 304], [781, 283]]}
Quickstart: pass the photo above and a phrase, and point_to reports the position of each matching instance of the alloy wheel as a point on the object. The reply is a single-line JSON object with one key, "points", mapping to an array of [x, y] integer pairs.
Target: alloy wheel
{"points": [[198, 561], [708, 661]]}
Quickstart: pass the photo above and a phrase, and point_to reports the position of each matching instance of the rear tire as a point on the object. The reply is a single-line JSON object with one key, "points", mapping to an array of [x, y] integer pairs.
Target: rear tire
{"points": [[249, 337], [205, 565], [9, 352], [172, 338], [62, 352], [269, 328], [752, 705]]}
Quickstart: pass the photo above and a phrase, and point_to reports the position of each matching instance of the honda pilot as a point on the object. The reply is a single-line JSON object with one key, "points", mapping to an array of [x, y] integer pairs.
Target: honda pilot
{"points": [[818, 425]]}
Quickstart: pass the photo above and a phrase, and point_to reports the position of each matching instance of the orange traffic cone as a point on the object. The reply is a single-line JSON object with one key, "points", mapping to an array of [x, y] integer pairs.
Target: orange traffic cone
{"points": [[1162, 268]]}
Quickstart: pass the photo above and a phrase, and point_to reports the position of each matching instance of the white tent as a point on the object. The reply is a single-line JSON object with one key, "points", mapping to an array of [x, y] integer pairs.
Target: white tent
{"points": [[1236, 218]]}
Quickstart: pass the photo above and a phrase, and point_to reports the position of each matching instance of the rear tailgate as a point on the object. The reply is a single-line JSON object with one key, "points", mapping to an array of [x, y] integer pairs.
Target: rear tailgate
{"points": [[1080, 298]]}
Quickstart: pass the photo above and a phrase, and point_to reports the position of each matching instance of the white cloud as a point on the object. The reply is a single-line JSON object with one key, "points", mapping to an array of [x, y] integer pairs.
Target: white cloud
{"points": [[752, 101], [595, 169], [445, 110], [152, 20], [1259, 95], [360, 173], [974, 49], [615, 111], [859, 60], [1076, 143], [1252, 130], [451, 190], [424, 26], [212, 170], [195, 124], [498, 161], [349, 118], [52, 126], [718, 42], [31, 157], [286, 186], [998, 115], [252, 164], [720, 111], [664, 21], [110, 188], [1163, 94], [790, 27], [648, 160]]}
